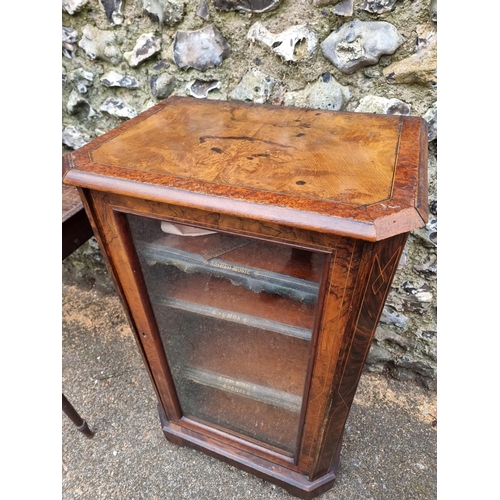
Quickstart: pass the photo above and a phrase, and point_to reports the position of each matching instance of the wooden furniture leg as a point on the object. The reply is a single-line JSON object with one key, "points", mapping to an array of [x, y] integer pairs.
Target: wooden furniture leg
{"points": [[76, 230], [73, 415]]}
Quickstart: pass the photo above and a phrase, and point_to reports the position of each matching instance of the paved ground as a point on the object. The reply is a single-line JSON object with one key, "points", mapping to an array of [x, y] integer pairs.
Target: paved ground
{"points": [[389, 449]]}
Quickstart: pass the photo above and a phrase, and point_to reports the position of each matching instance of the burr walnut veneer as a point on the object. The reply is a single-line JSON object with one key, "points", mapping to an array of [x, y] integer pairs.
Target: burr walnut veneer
{"points": [[253, 248]]}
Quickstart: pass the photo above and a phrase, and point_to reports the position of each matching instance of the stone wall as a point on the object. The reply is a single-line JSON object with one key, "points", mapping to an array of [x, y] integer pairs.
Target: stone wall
{"points": [[375, 56]]}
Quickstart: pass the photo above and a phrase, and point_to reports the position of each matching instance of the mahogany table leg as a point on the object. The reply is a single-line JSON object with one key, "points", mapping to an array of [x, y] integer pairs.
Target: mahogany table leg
{"points": [[73, 415]]}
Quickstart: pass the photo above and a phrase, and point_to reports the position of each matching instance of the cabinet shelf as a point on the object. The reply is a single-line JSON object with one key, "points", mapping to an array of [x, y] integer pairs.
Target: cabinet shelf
{"points": [[268, 424], [203, 292], [263, 394], [244, 319], [257, 280]]}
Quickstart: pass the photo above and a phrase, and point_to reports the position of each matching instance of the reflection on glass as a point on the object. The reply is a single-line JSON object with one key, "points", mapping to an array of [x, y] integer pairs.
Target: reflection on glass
{"points": [[235, 317]]}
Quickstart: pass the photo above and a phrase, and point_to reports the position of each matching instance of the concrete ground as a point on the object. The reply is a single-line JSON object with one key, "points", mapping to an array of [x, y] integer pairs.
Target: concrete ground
{"points": [[389, 449]]}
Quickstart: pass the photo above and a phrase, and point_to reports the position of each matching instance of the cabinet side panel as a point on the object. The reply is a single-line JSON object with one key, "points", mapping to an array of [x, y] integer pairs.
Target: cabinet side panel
{"points": [[383, 261], [115, 240], [97, 223], [330, 344]]}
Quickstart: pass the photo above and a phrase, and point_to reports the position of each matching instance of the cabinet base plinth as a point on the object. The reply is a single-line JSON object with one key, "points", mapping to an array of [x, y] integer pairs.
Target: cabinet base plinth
{"points": [[293, 482]]}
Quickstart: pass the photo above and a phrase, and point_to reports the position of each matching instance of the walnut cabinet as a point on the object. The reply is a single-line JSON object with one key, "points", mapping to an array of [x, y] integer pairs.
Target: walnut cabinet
{"points": [[253, 248]]}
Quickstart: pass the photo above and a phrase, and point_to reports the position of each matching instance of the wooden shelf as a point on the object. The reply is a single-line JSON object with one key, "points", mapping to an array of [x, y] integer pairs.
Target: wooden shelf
{"points": [[266, 423], [254, 265], [257, 280], [207, 292], [245, 319], [243, 388]]}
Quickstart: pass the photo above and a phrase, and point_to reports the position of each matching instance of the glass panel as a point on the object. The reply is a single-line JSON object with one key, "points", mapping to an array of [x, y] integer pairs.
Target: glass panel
{"points": [[235, 316]]}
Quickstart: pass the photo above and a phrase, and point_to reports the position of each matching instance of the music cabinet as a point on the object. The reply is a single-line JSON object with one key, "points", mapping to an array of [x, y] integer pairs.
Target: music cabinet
{"points": [[253, 248]]}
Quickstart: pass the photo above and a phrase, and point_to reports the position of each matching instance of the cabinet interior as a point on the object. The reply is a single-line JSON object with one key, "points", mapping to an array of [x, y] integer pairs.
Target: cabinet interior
{"points": [[236, 318]]}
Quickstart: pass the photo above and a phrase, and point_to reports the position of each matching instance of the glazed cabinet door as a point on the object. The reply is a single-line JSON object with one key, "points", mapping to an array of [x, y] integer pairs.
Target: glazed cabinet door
{"points": [[236, 318], [227, 323]]}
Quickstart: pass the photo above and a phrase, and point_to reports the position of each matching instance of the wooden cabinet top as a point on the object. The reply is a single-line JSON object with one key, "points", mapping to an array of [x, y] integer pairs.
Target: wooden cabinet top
{"points": [[354, 174]]}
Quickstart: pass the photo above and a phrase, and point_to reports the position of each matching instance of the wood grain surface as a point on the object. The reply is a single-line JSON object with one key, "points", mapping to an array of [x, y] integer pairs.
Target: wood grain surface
{"points": [[302, 153], [352, 174]]}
